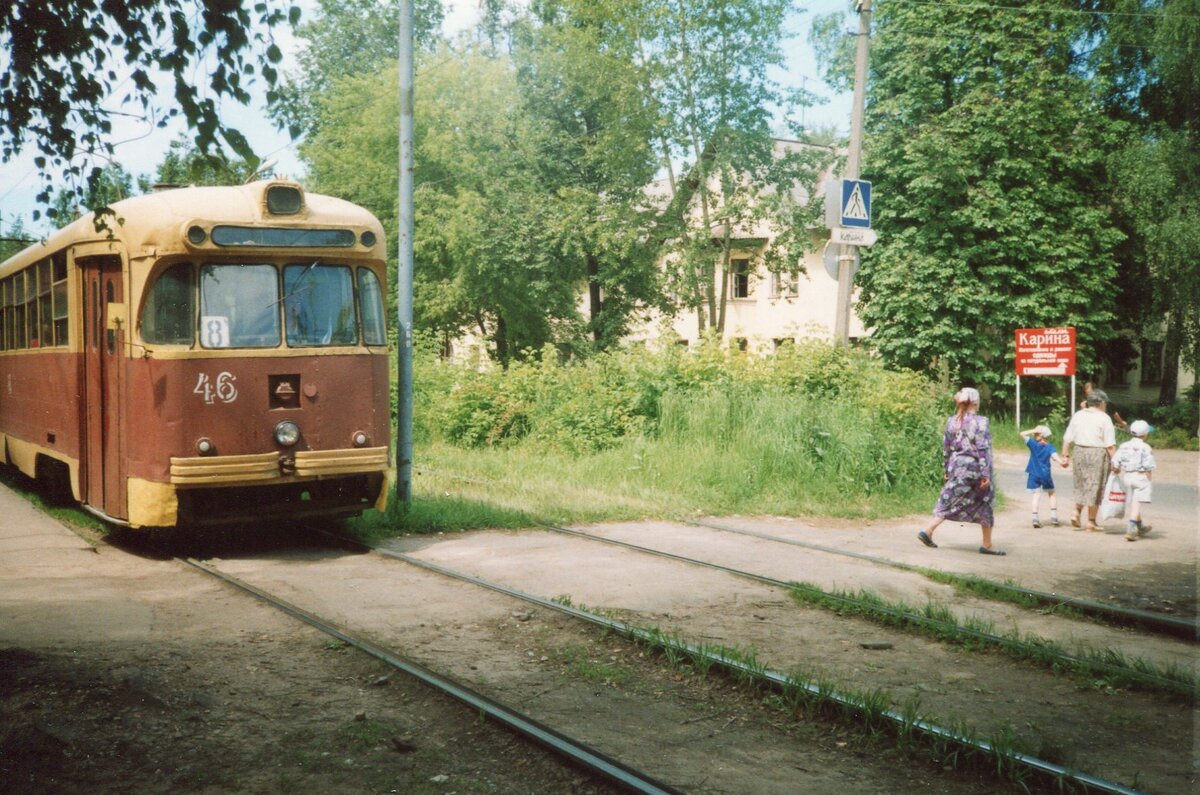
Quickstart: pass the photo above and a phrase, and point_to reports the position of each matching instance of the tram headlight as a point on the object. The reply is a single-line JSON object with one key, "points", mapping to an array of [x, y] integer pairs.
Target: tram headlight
{"points": [[360, 439], [287, 433], [204, 445], [196, 235]]}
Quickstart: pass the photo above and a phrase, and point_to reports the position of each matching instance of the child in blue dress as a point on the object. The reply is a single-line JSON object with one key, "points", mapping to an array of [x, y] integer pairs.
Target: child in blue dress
{"points": [[1041, 454]]}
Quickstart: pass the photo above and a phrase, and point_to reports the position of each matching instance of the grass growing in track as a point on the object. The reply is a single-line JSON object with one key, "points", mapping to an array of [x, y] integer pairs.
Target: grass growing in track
{"points": [[1101, 667], [871, 712]]}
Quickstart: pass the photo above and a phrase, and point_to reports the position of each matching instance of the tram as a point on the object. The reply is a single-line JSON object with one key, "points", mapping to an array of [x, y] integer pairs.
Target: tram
{"points": [[202, 355]]}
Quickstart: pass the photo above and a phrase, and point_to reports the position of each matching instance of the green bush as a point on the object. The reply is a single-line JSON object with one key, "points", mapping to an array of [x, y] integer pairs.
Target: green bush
{"points": [[1183, 415], [591, 405]]}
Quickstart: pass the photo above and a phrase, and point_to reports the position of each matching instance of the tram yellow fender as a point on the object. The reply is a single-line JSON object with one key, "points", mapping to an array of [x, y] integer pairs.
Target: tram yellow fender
{"points": [[151, 504], [22, 455], [389, 483]]}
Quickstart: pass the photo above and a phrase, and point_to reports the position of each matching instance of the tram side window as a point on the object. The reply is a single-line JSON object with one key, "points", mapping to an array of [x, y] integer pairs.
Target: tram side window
{"points": [[59, 277], [239, 306], [169, 317], [21, 335], [4, 313], [318, 305], [10, 314], [370, 296], [45, 323], [31, 318]]}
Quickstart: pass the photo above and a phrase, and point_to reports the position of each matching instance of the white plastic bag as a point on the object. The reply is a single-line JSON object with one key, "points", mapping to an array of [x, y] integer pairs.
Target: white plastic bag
{"points": [[1113, 504]]}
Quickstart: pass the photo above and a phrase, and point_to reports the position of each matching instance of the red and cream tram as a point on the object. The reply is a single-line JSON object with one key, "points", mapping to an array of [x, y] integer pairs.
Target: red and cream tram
{"points": [[214, 354]]}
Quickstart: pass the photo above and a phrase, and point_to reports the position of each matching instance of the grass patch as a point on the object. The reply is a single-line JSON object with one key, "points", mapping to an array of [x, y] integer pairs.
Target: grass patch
{"points": [[602, 672], [812, 430], [436, 512], [802, 694], [71, 515], [1105, 668]]}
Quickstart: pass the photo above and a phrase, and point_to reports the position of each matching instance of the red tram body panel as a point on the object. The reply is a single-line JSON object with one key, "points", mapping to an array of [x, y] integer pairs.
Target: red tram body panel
{"points": [[214, 354]]}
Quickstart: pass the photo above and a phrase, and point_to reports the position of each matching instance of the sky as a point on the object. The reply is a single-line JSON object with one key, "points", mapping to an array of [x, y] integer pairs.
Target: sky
{"points": [[139, 147]]}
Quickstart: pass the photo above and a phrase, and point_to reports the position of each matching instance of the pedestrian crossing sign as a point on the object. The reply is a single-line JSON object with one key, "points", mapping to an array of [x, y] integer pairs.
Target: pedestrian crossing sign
{"points": [[856, 203]]}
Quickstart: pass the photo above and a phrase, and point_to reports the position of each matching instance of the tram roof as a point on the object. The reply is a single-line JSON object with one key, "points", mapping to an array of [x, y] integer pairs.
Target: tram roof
{"points": [[142, 222]]}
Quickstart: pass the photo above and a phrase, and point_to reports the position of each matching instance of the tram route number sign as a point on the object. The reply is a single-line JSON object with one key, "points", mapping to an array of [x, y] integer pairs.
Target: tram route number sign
{"points": [[1046, 351]]}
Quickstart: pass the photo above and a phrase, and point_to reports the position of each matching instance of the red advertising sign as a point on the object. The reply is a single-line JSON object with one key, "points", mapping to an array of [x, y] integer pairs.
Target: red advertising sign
{"points": [[1046, 351]]}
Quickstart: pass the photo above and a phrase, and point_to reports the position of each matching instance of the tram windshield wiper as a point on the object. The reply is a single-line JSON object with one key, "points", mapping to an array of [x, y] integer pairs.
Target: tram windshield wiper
{"points": [[296, 289]]}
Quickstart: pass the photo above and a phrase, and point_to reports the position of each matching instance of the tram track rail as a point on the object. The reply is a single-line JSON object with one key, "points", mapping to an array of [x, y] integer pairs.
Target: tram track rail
{"points": [[1107, 612], [573, 751], [1044, 652], [1175, 626], [901, 722]]}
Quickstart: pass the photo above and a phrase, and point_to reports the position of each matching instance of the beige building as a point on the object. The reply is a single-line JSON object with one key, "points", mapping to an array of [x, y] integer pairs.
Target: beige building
{"points": [[763, 309]]}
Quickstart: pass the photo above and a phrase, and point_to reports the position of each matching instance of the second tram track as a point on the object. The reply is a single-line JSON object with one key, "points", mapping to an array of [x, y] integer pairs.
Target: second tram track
{"points": [[900, 721], [1187, 690], [1161, 623], [1175, 626]]}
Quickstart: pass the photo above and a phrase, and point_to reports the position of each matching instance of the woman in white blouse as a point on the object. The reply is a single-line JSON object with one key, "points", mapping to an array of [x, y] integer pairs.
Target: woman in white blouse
{"points": [[1093, 439]]}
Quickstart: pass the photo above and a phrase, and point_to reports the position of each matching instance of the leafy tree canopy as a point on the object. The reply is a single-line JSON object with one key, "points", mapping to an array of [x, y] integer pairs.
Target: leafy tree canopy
{"points": [[70, 67], [987, 148], [1147, 67], [344, 38], [13, 238], [184, 164]]}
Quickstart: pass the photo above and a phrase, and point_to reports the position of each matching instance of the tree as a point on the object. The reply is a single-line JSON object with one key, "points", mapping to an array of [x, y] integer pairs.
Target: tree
{"points": [[184, 164], [577, 70], [1147, 63], [987, 151], [115, 184], [484, 257], [709, 63], [68, 60], [13, 239], [345, 38]]}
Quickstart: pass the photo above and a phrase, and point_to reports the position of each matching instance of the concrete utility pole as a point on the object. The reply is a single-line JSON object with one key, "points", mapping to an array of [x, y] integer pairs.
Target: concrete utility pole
{"points": [[404, 270], [846, 257]]}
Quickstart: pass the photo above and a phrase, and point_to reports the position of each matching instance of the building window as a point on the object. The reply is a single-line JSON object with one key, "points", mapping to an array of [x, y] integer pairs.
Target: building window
{"points": [[785, 285], [741, 344], [781, 341], [739, 278], [1152, 356]]}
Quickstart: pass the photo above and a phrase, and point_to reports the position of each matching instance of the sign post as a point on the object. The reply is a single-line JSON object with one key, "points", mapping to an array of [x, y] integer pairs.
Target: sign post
{"points": [[1045, 351]]}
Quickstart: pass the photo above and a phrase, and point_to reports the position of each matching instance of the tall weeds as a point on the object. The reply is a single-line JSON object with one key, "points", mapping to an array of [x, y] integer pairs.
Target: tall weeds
{"points": [[811, 429]]}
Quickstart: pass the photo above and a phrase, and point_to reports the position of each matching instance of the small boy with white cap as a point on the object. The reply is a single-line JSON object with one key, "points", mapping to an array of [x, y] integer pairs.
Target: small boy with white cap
{"points": [[1134, 462], [1041, 453]]}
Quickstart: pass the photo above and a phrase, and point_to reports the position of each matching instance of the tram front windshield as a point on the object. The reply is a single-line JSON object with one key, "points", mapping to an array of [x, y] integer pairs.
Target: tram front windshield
{"points": [[262, 306]]}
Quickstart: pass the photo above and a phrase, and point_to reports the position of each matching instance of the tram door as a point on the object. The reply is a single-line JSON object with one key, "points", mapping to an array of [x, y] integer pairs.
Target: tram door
{"points": [[104, 343]]}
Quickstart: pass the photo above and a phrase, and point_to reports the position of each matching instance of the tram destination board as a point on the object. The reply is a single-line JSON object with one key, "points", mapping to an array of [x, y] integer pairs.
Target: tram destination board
{"points": [[1045, 351]]}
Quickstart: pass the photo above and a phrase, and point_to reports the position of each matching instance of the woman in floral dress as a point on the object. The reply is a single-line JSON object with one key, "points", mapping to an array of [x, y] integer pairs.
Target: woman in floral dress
{"points": [[968, 493]]}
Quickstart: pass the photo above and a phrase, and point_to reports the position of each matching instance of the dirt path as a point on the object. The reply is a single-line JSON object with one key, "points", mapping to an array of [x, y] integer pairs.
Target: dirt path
{"points": [[120, 672]]}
